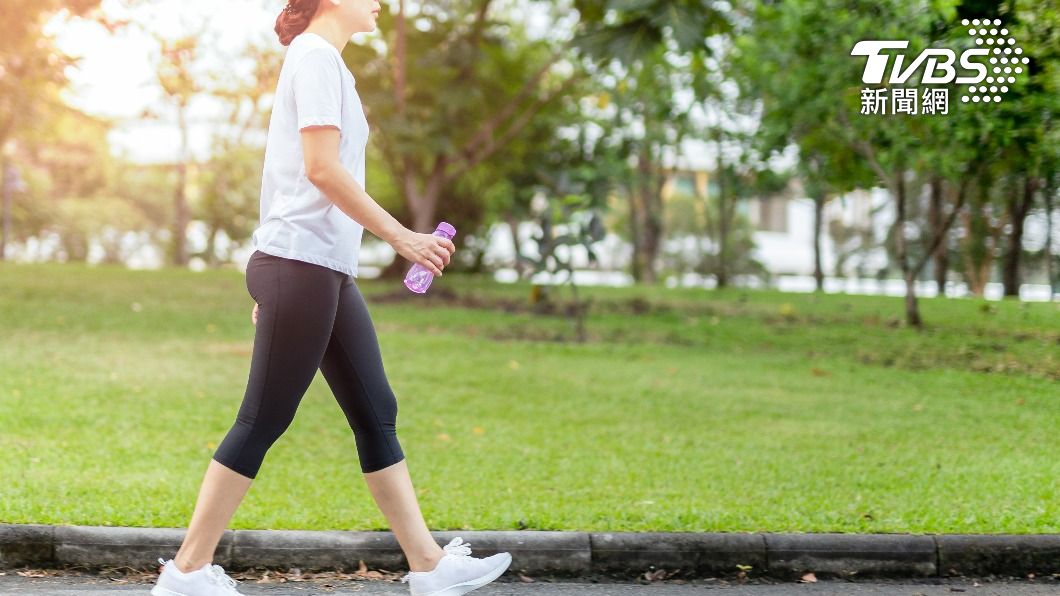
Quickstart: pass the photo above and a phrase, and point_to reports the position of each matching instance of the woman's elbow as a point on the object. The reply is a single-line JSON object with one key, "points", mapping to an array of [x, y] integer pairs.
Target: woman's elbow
{"points": [[318, 173]]}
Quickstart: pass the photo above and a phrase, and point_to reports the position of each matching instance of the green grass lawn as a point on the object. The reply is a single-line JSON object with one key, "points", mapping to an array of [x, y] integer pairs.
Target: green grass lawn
{"points": [[687, 410]]}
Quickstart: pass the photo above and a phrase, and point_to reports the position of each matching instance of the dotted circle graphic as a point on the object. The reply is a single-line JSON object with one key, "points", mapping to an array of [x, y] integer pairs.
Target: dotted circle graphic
{"points": [[989, 32]]}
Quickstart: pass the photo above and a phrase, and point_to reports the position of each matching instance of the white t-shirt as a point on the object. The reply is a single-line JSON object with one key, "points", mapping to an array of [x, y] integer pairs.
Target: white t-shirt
{"points": [[297, 220]]}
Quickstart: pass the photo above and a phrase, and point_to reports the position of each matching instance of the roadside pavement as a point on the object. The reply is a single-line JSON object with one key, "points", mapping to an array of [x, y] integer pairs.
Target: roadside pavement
{"points": [[100, 586], [603, 556]]}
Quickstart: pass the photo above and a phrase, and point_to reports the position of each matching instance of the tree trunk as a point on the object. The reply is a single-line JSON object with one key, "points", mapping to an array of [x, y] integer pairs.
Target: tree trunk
{"points": [[1019, 204], [635, 227], [5, 189], [818, 223], [211, 248], [978, 250], [478, 265], [649, 215], [423, 203], [912, 309], [940, 258], [723, 225], [180, 202], [180, 217], [1049, 273]]}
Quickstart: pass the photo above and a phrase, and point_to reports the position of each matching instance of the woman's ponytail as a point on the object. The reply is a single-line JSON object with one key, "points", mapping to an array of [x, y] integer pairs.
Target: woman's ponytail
{"points": [[294, 18]]}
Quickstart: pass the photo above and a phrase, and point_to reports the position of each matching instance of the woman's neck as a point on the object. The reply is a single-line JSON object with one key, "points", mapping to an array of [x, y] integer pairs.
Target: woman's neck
{"points": [[331, 31]]}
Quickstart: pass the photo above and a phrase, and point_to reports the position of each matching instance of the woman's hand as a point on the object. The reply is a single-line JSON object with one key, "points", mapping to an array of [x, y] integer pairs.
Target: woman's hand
{"points": [[433, 252], [254, 315]]}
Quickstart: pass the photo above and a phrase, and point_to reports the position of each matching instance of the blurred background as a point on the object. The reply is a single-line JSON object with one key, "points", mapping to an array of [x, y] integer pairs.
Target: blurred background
{"points": [[750, 287], [708, 143]]}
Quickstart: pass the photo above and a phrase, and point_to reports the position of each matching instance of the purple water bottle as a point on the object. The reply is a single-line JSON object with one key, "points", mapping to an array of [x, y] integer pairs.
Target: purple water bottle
{"points": [[419, 278]]}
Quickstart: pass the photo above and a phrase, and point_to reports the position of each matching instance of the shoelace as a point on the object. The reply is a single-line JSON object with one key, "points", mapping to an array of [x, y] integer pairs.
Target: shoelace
{"points": [[218, 575], [455, 547]]}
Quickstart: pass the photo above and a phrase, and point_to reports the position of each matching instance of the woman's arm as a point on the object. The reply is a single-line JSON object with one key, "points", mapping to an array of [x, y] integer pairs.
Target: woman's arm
{"points": [[320, 146]]}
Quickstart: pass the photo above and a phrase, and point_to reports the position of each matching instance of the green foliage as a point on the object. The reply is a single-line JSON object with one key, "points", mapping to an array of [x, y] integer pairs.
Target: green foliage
{"points": [[795, 57], [461, 109], [631, 30], [32, 69]]}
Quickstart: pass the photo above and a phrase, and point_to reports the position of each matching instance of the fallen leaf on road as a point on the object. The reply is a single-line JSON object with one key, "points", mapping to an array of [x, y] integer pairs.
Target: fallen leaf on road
{"points": [[656, 575]]}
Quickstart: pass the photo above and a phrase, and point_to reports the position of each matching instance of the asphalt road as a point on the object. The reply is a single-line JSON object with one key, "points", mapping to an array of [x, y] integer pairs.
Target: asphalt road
{"points": [[95, 585]]}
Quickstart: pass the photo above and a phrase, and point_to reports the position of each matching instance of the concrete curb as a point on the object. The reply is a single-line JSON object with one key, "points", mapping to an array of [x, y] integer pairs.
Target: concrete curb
{"points": [[559, 554]]}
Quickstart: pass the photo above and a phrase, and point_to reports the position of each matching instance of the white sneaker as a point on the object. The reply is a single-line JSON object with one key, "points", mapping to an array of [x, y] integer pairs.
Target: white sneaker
{"points": [[457, 572], [208, 580]]}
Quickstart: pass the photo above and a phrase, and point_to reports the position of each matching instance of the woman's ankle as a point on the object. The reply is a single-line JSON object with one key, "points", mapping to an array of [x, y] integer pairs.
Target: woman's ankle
{"points": [[426, 563], [188, 565]]}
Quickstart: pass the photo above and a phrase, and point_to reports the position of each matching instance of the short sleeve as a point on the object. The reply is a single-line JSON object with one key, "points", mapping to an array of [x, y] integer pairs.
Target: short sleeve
{"points": [[317, 85]]}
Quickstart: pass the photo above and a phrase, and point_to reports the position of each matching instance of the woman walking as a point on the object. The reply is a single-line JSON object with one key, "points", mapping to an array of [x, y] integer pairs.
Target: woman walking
{"points": [[309, 313]]}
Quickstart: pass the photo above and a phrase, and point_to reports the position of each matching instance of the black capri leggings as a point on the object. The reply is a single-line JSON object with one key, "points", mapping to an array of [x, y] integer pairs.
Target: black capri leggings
{"points": [[309, 317]]}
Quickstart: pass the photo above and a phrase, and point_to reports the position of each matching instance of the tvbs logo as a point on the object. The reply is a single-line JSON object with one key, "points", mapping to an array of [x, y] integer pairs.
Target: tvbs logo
{"points": [[936, 71], [996, 64]]}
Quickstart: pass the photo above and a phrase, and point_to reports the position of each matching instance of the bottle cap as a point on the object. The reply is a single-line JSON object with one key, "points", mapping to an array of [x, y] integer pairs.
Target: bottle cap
{"points": [[447, 228]]}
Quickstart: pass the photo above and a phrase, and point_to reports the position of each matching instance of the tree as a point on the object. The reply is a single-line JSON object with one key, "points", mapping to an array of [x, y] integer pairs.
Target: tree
{"points": [[645, 120], [180, 85], [795, 79], [231, 179], [448, 93], [902, 153], [1029, 139], [647, 47], [33, 73]]}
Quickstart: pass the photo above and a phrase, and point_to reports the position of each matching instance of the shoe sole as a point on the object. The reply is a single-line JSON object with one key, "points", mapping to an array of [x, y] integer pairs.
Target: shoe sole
{"points": [[474, 584], [160, 591]]}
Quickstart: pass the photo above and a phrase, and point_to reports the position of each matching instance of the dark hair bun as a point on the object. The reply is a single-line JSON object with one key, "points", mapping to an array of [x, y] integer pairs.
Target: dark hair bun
{"points": [[294, 19]]}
